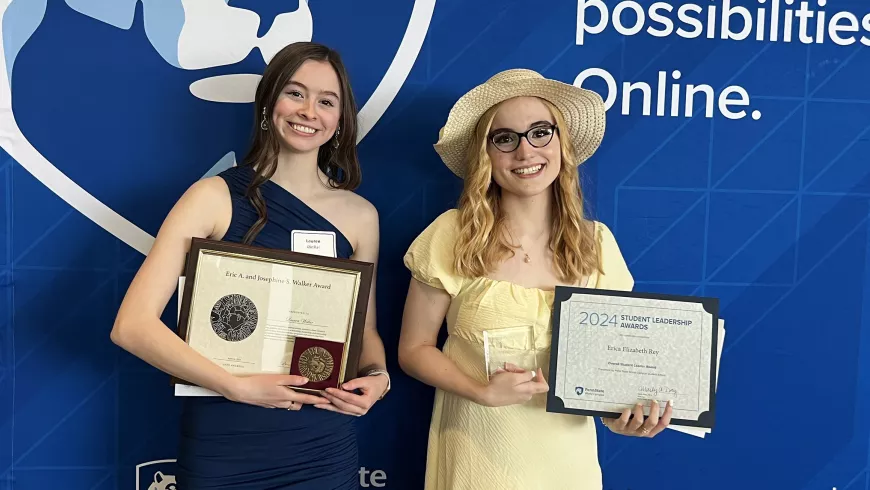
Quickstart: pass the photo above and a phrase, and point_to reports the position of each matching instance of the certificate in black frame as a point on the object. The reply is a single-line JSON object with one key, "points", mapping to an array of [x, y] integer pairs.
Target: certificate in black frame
{"points": [[563, 293]]}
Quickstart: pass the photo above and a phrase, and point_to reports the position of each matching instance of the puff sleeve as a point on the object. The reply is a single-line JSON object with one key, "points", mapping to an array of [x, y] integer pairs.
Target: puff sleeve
{"points": [[430, 256], [616, 275]]}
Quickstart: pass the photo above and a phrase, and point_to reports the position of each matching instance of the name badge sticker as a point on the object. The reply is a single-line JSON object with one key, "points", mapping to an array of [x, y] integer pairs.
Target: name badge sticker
{"points": [[314, 242]]}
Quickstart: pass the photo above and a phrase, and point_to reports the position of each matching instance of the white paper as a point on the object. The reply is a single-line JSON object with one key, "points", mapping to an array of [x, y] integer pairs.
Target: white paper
{"points": [[188, 390], [314, 242], [703, 431]]}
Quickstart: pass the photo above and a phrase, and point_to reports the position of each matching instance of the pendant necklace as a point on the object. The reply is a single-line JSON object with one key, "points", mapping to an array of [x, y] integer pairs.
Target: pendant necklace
{"points": [[526, 257]]}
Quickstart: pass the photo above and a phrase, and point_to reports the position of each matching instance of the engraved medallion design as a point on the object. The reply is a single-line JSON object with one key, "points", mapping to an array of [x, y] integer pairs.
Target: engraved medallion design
{"points": [[315, 363], [234, 317]]}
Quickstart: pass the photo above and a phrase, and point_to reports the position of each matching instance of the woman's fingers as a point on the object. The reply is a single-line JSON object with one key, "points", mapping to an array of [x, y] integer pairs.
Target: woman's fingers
{"points": [[664, 421], [345, 406], [652, 420], [637, 419], [308, 399], [333, 408], [620, 424]]}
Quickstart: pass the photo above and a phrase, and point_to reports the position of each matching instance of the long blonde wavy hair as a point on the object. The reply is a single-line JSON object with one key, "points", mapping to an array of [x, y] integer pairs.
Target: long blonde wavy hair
{"points": [[481, 243]]}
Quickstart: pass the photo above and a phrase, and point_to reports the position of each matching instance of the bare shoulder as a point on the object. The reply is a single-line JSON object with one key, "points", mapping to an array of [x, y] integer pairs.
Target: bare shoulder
{"points": [[206, 190], [209, 195], [355, 209], [205, 208], [360, 207], [357, 218]]}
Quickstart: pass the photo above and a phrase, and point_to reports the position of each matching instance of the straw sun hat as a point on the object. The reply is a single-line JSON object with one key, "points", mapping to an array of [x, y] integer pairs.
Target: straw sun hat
{"points": [[583, 111]]}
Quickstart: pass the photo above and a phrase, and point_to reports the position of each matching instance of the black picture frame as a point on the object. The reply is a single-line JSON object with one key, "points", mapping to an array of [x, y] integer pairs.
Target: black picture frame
{"points": [[563, 293]]}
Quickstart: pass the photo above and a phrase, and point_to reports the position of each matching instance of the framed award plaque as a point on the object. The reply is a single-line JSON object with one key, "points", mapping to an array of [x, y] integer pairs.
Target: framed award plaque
{"points": [[255, 310]]}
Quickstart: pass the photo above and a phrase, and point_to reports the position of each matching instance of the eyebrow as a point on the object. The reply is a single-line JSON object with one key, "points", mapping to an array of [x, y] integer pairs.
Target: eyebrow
{"points": [[534, 124], [326, 92]]}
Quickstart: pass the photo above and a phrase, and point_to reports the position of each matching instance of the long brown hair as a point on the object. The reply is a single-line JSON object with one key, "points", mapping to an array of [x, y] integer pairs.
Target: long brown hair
{"points": [[482, 244], [340, 165]]}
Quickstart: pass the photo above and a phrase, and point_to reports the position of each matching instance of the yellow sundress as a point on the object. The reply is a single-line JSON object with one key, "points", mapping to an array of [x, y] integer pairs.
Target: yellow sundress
{"points": [[517, 447]]}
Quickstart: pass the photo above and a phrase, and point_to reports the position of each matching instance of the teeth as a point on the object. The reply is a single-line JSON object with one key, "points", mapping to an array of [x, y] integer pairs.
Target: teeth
{"points": [[303, 129], [528, 170]]}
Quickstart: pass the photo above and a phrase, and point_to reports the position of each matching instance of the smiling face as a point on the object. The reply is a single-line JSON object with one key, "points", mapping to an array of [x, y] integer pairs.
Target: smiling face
{"points": [[313, 113], [534, 164], [308, 109]]}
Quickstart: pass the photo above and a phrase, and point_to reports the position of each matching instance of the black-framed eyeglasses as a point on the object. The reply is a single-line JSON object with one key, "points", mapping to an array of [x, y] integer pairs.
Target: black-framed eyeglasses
{"points": [[507, 141]]}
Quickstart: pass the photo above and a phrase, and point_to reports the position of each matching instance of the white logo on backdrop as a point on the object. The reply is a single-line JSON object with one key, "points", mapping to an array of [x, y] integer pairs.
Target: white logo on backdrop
{"points": [[213, 34], [154, 475]]}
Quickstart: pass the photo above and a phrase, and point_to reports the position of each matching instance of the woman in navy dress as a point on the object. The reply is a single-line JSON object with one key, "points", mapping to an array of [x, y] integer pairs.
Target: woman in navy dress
{"points": [[299, 174]]}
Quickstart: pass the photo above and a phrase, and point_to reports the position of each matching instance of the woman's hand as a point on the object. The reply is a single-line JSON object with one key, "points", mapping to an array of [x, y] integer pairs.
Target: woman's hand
{"points": [[512, 385], [638, 427], [343, 401], [271, 391]]}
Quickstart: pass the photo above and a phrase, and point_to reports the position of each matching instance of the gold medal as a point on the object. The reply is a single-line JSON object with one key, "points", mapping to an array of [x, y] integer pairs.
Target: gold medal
{"points": [[316, 364]]}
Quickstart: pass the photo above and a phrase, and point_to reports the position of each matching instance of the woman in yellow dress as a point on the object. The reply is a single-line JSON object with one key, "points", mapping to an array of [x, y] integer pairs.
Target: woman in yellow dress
{"points": [[493, 263]]}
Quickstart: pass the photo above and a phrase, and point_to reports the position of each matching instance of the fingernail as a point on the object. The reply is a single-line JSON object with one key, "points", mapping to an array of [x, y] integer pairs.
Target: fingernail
{"points": [[304, 379]]}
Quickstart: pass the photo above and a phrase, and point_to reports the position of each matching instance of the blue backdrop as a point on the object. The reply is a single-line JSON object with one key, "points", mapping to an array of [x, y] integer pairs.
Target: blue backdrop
{"points": [[767, 208]]}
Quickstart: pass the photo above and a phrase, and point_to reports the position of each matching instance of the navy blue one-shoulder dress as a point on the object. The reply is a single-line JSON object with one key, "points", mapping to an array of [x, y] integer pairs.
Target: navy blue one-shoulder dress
{"points": [[230, 445]]}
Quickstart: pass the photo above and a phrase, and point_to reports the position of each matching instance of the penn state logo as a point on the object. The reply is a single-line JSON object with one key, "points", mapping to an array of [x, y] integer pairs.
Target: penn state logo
{"points": [[156, 475], [578, 390], [112, 105]]}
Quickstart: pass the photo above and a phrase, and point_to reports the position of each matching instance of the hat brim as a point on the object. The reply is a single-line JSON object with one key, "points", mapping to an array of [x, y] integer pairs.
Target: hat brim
{"points": [[582, 109]]}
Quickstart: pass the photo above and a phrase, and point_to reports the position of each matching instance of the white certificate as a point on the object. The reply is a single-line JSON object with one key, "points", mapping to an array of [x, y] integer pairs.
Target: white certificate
{"points": [[614, 349]]}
